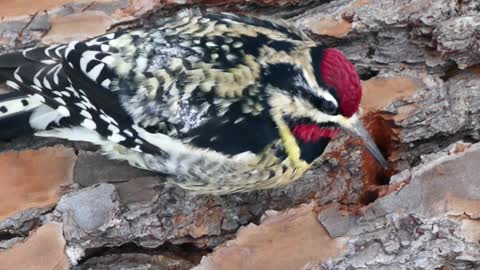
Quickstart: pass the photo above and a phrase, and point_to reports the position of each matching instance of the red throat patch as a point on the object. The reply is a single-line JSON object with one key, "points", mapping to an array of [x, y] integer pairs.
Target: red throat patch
{"points": [[340, 74], [311, 133]]}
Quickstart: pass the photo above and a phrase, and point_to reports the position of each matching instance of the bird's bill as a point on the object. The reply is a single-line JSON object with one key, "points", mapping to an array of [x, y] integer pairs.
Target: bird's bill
{"points": [[355, 126]]}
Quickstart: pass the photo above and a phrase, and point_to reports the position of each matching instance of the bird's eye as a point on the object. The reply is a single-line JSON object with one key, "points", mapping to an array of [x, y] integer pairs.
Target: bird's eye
{"points": [[329, 108], [325, 106]]}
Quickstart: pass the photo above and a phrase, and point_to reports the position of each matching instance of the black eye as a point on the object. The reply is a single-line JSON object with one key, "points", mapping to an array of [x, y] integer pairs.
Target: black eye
{"points": [[330, 108], [324, 105]]}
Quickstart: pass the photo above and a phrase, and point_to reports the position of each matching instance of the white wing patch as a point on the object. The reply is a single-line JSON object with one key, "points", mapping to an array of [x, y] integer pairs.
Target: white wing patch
{"points": [[43, 116], [10, 107]]}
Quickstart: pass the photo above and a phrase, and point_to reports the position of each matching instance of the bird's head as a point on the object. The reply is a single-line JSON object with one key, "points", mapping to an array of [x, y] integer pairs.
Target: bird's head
{"points": [[321, 100]]}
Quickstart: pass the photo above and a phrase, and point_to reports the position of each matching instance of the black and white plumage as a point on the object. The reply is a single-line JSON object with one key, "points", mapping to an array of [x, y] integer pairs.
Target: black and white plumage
{"points": [[221, 103]]}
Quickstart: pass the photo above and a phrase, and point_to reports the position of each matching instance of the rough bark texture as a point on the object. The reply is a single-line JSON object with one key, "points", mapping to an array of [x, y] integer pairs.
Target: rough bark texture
{"points": [[419, 60]]}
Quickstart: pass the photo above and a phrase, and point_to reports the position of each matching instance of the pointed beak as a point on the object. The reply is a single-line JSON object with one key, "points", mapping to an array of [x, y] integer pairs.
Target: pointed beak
{"points": [[355, 126]]}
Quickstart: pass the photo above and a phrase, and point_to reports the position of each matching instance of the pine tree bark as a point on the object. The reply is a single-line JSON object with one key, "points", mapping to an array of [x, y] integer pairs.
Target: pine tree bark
{"points": [[419, 62]]}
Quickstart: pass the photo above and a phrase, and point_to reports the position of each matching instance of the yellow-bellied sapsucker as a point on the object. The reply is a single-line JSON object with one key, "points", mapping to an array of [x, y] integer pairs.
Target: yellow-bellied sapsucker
{"points": [[219, 103]]}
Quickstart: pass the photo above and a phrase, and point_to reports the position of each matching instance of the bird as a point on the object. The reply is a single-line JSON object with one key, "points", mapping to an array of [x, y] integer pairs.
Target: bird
{"points": [[217, 103]]}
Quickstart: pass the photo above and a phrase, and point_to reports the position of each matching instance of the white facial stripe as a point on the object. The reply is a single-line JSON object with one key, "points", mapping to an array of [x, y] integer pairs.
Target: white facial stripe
{"points": [[318, 91], [326, 95], [300, 108]]}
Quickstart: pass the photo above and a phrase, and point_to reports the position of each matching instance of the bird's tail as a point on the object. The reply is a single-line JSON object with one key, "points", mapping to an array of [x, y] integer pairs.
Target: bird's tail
{"points": [[20, 115], [16, 107], [22, 112], [15, 112]]}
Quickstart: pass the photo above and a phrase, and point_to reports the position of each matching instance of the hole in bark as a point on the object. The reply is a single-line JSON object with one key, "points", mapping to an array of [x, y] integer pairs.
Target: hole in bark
{"points": [[369, 196], [382, 131], [4, 236], [370, 52], [376, 178], [366, 73], [188, 252], [455, 70], [383, 179]]}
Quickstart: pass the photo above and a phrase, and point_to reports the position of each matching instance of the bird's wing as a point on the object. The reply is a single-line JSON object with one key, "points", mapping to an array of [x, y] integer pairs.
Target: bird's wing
{"points": [[46, 75], [186, 76]]}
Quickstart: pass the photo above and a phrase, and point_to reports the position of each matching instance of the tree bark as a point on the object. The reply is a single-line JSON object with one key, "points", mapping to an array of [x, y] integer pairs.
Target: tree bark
{"points": [[419, 62]]}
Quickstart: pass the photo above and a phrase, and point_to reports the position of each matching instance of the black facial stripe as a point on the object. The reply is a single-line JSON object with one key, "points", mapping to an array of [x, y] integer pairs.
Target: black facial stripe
{"points": [[321, 104], [280, 76]]}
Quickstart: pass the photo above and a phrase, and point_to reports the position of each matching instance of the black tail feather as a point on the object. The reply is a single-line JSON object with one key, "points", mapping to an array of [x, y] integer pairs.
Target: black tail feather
{"points": [[13, 60], [15, 124]]}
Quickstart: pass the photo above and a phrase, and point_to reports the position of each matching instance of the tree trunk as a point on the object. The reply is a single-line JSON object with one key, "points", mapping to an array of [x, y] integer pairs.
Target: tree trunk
{"points": [[63, 205]]}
